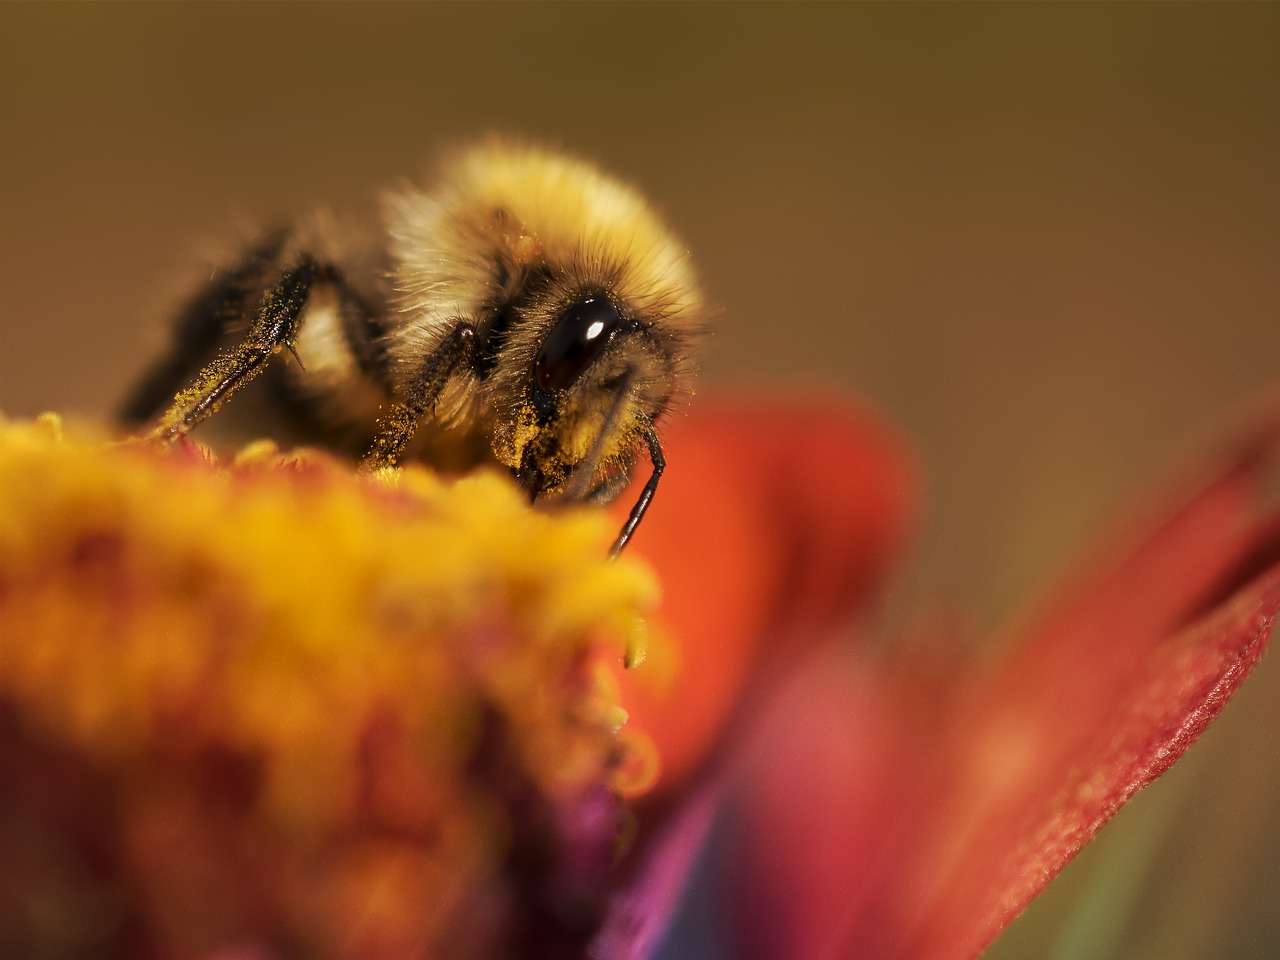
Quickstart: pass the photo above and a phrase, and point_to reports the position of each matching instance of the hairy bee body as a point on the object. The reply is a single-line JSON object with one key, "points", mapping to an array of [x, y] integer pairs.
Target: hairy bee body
{"points": [[529, 303]]}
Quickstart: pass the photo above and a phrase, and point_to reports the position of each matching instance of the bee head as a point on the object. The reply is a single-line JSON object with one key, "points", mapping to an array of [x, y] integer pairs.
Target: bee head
{"points": [[584, 309], [598, 381]]}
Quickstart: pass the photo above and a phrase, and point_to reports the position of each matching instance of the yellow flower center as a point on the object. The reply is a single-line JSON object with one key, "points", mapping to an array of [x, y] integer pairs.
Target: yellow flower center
{"points": [[346, 695]]}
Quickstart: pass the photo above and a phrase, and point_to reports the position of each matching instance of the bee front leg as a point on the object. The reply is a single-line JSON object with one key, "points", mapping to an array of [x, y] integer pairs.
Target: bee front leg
{"points": [[273, 329], [397, 428]]}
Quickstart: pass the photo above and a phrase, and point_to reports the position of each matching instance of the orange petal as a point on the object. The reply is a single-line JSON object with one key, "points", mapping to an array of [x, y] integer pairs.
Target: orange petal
{"points": [[773, 524]]}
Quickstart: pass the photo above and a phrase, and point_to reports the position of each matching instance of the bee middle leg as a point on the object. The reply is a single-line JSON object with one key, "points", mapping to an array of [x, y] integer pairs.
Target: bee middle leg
{"points": [[398, 426]]}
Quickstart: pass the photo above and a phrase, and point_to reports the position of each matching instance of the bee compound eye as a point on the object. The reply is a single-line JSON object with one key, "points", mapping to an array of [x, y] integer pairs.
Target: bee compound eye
{"points": [[576, 341]]}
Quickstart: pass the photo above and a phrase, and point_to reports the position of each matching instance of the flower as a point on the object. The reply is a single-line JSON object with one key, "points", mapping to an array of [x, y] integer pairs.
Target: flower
{"points": [[368, 717]]}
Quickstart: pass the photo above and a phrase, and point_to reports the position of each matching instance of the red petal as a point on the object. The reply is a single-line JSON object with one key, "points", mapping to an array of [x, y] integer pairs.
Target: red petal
{"points": [[885, 822], [1108, 692], [1042, 809], [774, 520]]}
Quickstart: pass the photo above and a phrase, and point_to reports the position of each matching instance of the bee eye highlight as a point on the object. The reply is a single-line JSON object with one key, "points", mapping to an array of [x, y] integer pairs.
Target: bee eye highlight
{"points": [[576, 341]]}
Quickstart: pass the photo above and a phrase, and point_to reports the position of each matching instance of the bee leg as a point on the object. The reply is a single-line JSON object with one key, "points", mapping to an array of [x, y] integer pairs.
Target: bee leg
{"points": [[396, 429], [203, 322], [273, 329], [646, 495]]}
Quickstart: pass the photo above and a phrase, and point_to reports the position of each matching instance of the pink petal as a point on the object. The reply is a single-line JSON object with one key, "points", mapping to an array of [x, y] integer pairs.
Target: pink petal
{"points": [[640, 915]]}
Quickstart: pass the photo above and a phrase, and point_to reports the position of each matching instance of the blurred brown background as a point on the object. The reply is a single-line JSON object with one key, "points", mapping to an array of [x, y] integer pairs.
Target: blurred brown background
{"points": [[1044, 239]]}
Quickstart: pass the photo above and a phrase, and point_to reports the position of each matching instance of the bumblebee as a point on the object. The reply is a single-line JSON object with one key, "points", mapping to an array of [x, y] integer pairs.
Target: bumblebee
{"points": [[528, 301]]}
